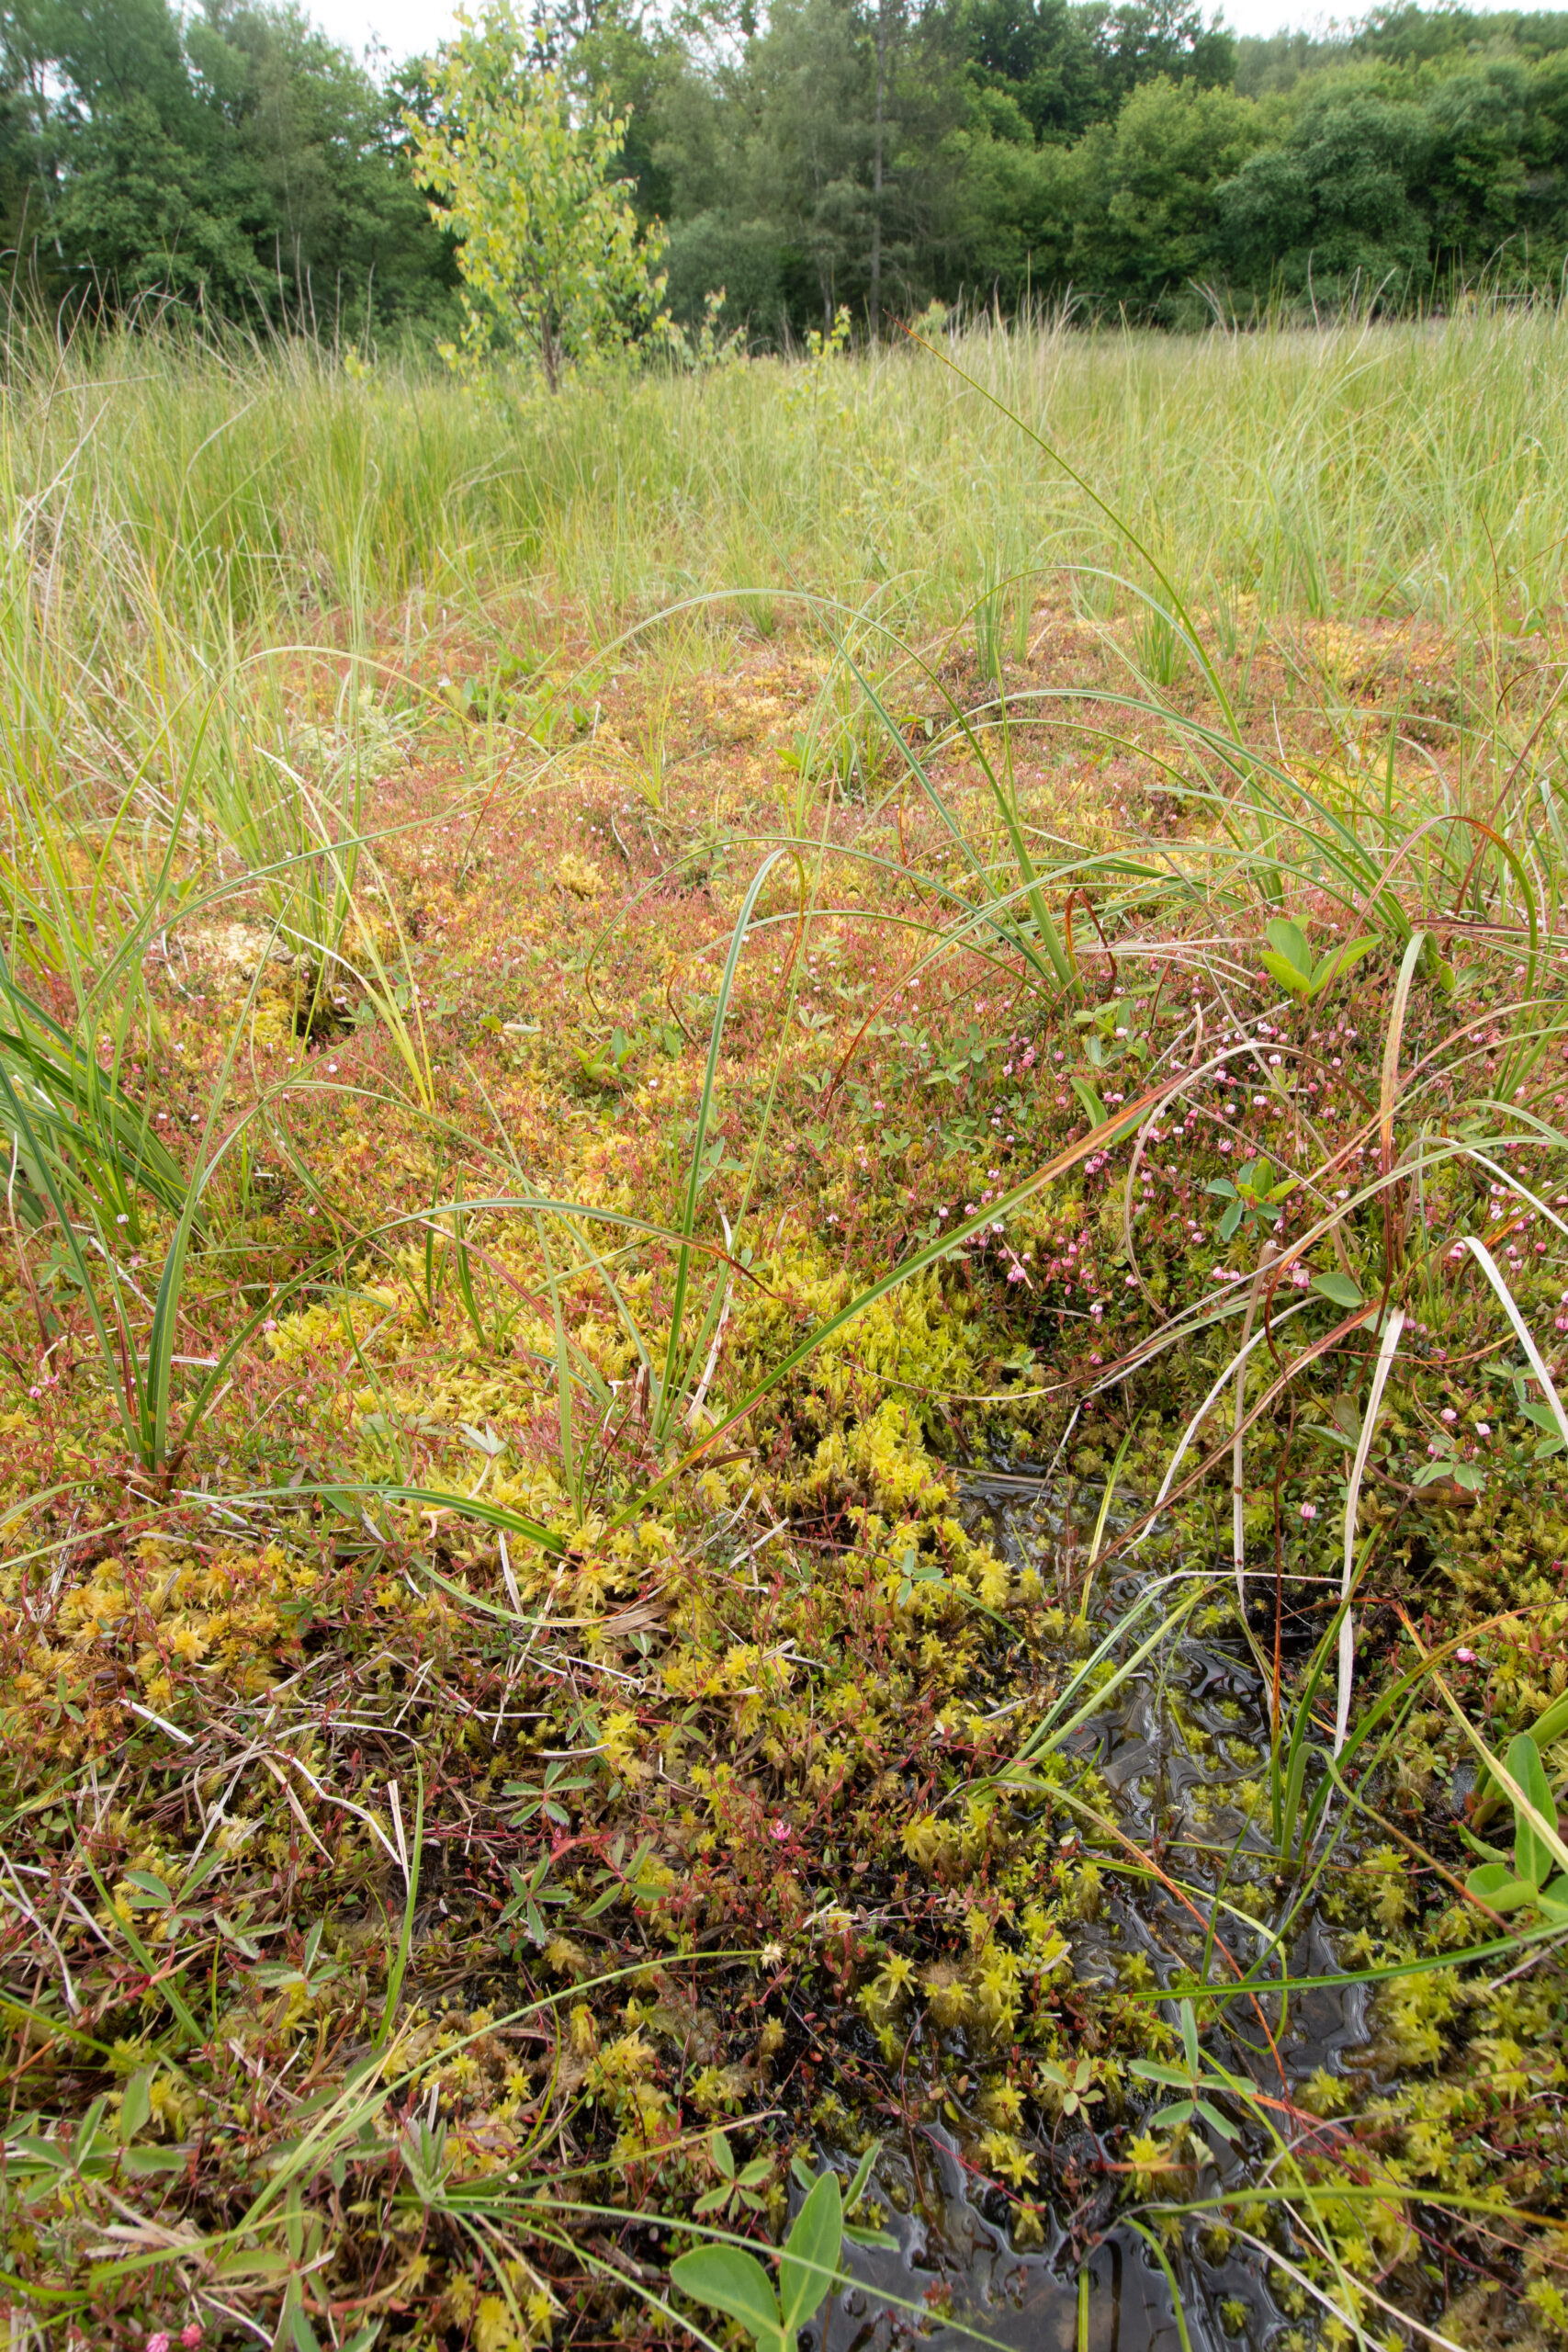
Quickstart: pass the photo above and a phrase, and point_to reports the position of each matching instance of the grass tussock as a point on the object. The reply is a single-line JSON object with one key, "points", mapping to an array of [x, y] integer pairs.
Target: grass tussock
{"points": [[785, 1310]]}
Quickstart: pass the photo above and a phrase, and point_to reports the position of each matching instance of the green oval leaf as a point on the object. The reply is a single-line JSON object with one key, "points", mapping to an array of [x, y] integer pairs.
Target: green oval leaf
{"points": [[1296, 983], [1338, 961], [735, 2283], [1338, 1289], [810, 2259], [136, 2103], [1093, 1108], [1532, 1857], [1289, 941], [1494, 1885]]}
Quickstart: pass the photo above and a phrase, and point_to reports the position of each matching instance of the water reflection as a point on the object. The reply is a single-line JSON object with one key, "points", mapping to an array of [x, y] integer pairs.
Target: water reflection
{"points": [[1181, 1749]]}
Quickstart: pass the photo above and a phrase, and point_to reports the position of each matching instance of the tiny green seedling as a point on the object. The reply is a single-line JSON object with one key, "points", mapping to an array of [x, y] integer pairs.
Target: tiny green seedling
{"points": [[1195, 2079], [1072, 2086], [603, 1063], [1447, 1462], [1529, 1884], [147, 1892], [736, 2191], [530, 1896], [38, 2166], [1254, 1198], [916, 1575], [310, 1972], [550, 1799], [1542, 1416], [1114, 1032], [1289, 960], [423, 2151], [915, 1572]]}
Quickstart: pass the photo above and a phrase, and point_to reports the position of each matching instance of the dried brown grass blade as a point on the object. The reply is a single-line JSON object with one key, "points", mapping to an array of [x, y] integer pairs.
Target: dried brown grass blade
{"points": [[1380, 1370]]}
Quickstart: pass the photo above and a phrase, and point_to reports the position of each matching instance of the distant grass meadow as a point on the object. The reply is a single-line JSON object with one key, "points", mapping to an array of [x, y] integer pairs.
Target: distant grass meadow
{"points": [[1398, 469], [782, 1343]]}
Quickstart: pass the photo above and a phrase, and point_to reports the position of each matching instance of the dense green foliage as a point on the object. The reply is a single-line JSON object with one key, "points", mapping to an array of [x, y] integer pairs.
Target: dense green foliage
{"points": [[239, 160], [1135, 156], [549, 250], [873, 154]]}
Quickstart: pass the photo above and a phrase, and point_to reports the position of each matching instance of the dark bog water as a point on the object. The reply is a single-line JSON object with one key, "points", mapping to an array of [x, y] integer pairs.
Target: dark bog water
{"points": [[1182, 1747], [947, 2249]]}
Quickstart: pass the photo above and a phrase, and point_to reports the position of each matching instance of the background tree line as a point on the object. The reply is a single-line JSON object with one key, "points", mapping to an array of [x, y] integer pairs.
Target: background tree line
{"points": [[877, 153]]}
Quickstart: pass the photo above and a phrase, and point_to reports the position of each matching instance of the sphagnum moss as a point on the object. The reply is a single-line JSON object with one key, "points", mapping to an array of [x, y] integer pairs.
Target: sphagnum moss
{"points": [[398, 1905]]}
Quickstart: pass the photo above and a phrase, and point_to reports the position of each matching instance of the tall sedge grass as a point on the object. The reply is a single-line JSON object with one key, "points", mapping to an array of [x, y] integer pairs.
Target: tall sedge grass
{"points": [[182, 497]]}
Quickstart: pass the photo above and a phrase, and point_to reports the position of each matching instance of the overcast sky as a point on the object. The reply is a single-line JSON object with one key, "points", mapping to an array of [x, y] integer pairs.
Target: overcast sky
{"points": [[405, 25]]}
